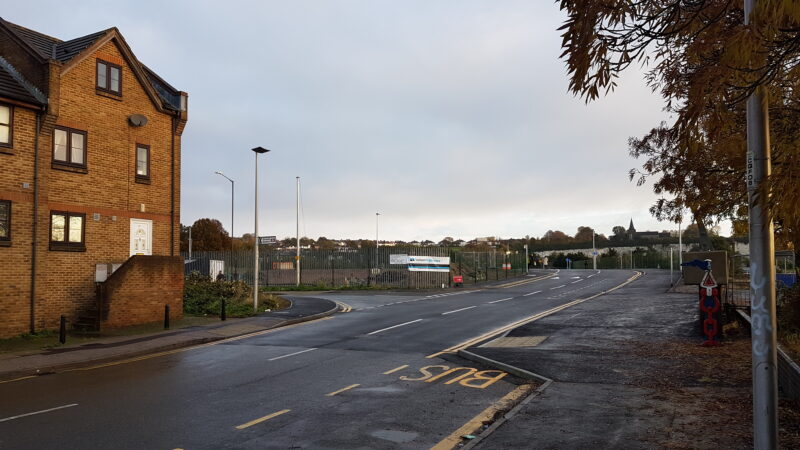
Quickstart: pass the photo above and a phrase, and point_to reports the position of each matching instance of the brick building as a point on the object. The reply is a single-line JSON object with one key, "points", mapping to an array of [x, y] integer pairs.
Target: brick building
{"points": [[90, 142]]}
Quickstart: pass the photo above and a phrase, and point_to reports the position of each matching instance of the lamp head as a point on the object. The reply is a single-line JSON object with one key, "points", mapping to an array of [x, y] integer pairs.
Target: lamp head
{"points": [[260, 150]]}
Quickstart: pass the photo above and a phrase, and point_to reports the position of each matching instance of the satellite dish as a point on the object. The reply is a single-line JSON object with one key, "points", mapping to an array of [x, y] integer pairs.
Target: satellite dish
{"points": [[137, 120]]}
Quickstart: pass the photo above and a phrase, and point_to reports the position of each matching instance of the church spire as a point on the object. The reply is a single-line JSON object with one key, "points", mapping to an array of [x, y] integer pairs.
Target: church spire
{"points": [[630, 228]]}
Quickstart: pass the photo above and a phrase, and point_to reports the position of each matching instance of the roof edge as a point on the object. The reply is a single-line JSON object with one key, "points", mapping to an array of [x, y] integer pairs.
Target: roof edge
{"points": [[33, 90], [4, 24]]}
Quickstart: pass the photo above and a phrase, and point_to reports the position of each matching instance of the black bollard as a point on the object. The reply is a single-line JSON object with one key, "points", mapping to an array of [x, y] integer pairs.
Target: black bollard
{"points": [[62, 331], [222, 310], [166, 317]]}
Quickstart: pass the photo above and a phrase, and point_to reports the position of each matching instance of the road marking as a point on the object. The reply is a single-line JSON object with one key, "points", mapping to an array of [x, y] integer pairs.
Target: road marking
{"points": [[181, 350], [576, 281], [291, 354], [590, 276], [531, 293], [558, 287], [344, 307], [511, 326], [520, 283], [457, 310], [262, 419], [394, 326], [465, 376], [38, 412], [502, 300], [454, 439], [342, 390], [18, 379], [395, 369]]}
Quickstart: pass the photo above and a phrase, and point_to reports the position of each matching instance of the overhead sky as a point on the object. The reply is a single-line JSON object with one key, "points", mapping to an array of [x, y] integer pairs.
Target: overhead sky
{"points": [[449, 117]]}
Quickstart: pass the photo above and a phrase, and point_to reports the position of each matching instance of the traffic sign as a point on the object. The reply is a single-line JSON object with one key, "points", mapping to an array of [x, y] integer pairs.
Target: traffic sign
{"points": [[708, 281], [267, 240]]}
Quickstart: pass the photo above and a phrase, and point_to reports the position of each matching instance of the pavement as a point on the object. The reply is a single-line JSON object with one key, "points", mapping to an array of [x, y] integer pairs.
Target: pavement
{"points": [[104, 350], [586, 355], [590, 360]]}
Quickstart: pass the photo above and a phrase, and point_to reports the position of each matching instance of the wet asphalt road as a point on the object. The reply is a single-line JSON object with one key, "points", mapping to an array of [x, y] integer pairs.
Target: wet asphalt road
{"points": [[356, 380]]}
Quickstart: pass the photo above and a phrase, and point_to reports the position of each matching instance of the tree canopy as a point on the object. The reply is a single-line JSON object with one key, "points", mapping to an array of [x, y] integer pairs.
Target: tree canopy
{"points": [[704, 61]]}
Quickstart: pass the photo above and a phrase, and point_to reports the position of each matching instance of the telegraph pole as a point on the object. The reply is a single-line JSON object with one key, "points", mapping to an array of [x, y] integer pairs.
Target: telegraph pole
{"points": [[297, 257], [762, 268]]}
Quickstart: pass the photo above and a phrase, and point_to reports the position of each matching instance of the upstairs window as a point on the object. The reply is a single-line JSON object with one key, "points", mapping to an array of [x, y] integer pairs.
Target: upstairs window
{"points": [[6, 116], [5, 222], [69, 147], [142, 162], [109, 77], [67, 231]]}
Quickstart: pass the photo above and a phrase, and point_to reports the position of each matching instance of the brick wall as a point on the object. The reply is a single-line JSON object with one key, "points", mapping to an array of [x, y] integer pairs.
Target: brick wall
{"points": [[137, 292], [107, 193], [15, 258]]}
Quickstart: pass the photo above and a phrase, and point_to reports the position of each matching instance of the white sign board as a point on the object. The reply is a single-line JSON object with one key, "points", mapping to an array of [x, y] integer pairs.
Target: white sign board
{"points": [[216, 267], [398, 259], [429, 263], [267, 240]]}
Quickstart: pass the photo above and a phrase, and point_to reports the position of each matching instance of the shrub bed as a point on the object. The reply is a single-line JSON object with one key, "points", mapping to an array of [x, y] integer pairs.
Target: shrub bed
{"points": [[203, 296]]}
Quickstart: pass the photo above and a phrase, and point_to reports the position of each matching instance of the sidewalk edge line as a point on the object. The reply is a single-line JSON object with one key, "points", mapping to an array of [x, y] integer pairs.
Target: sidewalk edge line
{"points": [[499, 422], [155, 352], [513, 370]]}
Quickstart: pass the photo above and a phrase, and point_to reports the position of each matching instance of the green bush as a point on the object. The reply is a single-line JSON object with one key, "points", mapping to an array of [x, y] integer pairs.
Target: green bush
{"points": [[203, 296]]}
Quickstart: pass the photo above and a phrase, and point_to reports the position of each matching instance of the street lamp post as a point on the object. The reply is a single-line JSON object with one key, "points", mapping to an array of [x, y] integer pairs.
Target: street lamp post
{"points": [[594, 253], [527, 260], [223, 175], [297, 231], [257, 151], [376, 244]]}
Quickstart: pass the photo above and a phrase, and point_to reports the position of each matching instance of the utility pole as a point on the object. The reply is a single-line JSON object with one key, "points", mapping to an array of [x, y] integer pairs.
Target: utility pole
{"points": [[680, 243], [376, 244], [257, 151], [297, 222], [232, 183], [671, 279], [527, 260], [594, 253], [762, 268]]}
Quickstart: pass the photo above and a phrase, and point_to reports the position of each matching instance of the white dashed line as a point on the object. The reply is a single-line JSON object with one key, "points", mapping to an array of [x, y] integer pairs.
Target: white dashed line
{"points": [[38, 412], [457, 310], [558, 287], [531, 293], [502, 300], [291, 354], [394, 326]]}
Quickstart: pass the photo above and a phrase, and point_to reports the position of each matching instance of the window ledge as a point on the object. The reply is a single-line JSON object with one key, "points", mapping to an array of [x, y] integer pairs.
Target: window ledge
{"points": [[69, 167], [5, 243], [142, 180], [109, 94], [6, 150], [60, 247]]}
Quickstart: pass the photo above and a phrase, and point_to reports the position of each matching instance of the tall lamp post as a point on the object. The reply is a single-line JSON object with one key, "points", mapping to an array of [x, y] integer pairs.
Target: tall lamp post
{"points": [[257, 151], [226, 177], [297, 222], [376, 244]]}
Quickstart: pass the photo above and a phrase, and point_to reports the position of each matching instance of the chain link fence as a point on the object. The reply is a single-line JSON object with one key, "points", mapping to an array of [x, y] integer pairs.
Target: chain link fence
{"points": [[347, 267]]}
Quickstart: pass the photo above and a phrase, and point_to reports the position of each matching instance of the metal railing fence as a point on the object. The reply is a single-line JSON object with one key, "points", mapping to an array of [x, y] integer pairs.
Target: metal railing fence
{"points": [[347, 267]]}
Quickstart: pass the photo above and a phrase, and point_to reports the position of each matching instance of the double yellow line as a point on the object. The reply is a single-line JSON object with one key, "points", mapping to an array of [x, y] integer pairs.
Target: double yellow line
{"points": [[511, 326]]}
